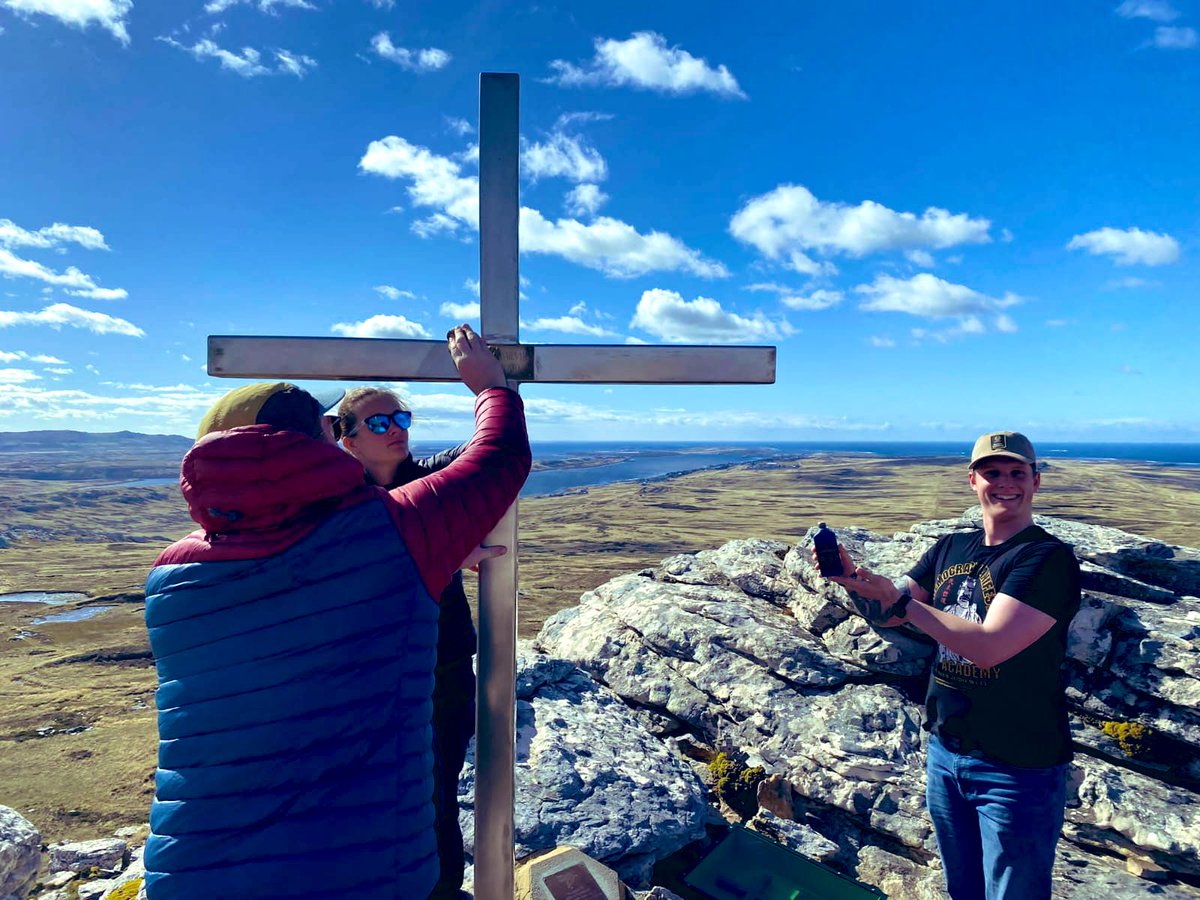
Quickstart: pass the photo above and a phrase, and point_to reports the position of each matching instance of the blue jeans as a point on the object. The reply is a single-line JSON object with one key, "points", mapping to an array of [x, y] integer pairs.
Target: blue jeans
{"points": [[997, 825]]}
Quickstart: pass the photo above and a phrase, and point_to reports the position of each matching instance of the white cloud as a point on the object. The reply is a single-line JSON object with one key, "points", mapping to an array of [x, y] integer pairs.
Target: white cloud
{"points": [[52, 236], [99, 293], [472, 285], [1155, 10], [930, 297], [394, 293], [882, 342], [249, 63], [585, 199], [59, 371], [563, 156], [13, 266], [606, 244], [569, 325], [267, 6], [816, 300], [578, 309], [922, 258], [58, 315], [382, 4], [666, 315], [460, 311], [381, 326], [645, 61], [1129, 247], [18, 376], [788, 221], [291, 64], [970, 325], [436, 181], [428, 60], [1170, 37], [461, 127], [108, 14], [1117, 284], [613, 247], [41, 358]]}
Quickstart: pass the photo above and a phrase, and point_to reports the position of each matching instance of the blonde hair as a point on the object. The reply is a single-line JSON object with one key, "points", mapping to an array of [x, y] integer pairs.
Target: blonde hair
{"points": [[347, 418]]}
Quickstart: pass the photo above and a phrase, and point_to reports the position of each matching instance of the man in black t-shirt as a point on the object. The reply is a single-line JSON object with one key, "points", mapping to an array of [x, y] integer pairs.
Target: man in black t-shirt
{"points": [[999, 603]]}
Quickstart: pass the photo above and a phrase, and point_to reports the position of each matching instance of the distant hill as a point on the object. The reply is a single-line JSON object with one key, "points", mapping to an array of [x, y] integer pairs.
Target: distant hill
{"points": [[84, 456], [26, 441]]}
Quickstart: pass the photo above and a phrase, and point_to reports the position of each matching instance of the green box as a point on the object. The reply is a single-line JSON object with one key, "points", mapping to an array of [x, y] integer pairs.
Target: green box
{"points": [[748, 866]]}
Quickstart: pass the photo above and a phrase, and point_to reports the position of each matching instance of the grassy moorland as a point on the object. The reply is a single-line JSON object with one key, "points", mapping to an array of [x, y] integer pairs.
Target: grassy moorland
{"points": [[76, 698]]}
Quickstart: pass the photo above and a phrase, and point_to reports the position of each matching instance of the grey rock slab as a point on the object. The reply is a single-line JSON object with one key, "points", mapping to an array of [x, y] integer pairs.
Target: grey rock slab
{"points": [[858, 749], [94, 890], [1126, 813], [20, 853], [136, 869], [1079, 875], [108, 854], [754, 567], [898, 877], [796, 836], [588, 776]]}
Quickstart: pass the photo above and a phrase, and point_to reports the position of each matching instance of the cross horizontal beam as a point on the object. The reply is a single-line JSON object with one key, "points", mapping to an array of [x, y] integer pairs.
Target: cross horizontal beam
{"points": [[365, 359]]}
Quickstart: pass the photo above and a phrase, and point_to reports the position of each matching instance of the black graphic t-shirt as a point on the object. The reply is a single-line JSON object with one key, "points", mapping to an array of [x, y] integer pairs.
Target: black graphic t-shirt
{"points": [[1016, 711]]}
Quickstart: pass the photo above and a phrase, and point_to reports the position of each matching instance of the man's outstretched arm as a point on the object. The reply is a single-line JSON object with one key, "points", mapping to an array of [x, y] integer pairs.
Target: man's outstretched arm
{"points": [[443, 516]]}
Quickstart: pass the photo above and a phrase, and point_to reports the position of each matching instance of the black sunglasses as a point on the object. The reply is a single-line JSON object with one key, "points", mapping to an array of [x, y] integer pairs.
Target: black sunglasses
{"points": [[381, 422]]}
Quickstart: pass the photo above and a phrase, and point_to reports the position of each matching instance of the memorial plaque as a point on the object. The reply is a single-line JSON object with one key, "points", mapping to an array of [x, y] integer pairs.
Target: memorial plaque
{"points": [[567, 873], [574, 883]]}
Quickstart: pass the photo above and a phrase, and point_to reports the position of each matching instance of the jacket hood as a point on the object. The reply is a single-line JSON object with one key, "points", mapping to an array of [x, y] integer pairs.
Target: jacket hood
{"points": [[259, 477]]}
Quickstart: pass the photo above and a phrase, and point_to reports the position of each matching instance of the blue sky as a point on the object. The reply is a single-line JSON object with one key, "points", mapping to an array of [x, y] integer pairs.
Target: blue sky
{"points": [[949, 218]]}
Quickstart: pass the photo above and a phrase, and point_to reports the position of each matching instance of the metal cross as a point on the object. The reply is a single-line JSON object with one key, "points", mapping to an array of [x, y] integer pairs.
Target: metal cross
{"points": [[366, 359]]}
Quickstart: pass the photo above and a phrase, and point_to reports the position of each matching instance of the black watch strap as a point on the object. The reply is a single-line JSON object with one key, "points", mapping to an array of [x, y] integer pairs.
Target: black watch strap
{"points": [[900, 608]]}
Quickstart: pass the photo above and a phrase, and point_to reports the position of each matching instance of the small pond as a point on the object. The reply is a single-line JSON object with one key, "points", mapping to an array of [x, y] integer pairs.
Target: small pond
{"points": [[53, 598], [71, 615]]}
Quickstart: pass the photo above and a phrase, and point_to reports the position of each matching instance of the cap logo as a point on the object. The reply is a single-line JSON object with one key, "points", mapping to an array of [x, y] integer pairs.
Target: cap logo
{"points": [[998, 442]]}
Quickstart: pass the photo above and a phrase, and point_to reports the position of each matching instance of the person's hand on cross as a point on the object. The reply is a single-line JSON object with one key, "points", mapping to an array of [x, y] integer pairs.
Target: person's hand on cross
{"points": [[477, 367], [480, 553], [872, 595]]}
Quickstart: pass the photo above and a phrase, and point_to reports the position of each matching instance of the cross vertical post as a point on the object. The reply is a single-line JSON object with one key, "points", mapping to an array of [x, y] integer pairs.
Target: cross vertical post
{"points": [[499, 287], [365, 359]]}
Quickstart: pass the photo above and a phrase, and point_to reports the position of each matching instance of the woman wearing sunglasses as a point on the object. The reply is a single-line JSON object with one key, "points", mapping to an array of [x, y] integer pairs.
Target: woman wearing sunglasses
{"points": [[373, 426]]}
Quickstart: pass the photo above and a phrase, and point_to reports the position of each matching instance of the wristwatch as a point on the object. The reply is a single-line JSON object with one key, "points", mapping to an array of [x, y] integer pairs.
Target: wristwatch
{"points": [[900, 608]]}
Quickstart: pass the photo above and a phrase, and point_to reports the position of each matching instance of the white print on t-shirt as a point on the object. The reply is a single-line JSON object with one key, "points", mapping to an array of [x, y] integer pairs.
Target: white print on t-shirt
{"points": [[963, 607]]}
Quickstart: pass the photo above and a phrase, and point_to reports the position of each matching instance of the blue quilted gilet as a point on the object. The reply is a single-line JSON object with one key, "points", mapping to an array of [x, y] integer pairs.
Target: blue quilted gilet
{"points": [[293, 710]]}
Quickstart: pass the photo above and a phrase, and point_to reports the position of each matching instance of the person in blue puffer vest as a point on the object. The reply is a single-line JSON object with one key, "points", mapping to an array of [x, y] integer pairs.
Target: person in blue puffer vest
{"points": [[295, 639]]}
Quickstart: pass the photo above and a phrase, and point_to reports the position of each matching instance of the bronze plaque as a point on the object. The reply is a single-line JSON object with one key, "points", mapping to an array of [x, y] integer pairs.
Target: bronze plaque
{"points": [[574, 883]]}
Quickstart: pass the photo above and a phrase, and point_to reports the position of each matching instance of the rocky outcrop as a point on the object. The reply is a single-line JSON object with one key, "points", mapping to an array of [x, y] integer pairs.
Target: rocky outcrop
{"points": [[590, 776], [747, 649], [20, 854]]}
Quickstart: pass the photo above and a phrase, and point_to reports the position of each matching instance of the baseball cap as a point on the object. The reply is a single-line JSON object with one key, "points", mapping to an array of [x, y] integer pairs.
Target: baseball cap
{"points": [[1003, 443], [329, 400], [265, 403]]}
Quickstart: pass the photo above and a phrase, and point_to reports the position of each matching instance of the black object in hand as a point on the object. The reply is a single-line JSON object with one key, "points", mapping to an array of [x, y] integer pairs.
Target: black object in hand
{"points": [[829, 560]]}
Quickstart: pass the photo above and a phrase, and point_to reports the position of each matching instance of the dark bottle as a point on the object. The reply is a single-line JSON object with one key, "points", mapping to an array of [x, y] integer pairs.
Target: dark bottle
{"points": [[829, 561]]}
